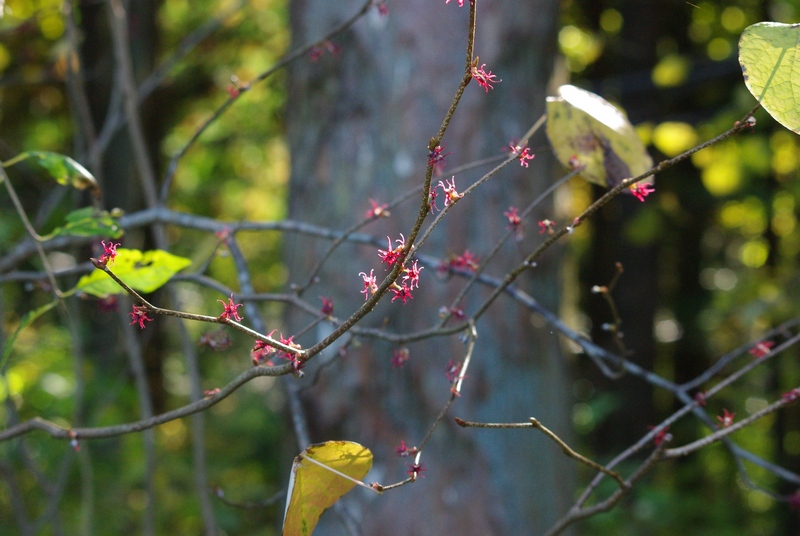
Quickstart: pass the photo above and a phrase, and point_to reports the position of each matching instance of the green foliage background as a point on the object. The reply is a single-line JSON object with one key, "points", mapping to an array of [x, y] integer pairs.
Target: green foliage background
{"points": [[237, 170], [742, 197]]}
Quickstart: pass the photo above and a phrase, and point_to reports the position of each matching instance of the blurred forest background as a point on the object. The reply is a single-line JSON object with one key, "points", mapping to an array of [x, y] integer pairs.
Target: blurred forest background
{"points": [[711, 260]]}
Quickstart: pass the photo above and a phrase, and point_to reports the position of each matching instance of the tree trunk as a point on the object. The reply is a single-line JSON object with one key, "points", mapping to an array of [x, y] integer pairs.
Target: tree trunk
{"points": [[359, 122]]}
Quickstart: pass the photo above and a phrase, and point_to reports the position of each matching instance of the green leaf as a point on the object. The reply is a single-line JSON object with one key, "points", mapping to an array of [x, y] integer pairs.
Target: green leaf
{"points": [[26, 321], [88, 222], [142, 271], [769, 53], [313, 488], [63, 169], [585, 129]]}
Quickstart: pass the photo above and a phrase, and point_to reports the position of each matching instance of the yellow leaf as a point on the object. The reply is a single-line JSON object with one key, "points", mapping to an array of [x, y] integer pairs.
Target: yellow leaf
{"points": [[315, 487], [585, 128]]}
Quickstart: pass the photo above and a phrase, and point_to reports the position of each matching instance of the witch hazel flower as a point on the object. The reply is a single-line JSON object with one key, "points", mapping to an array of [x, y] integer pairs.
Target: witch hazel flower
{"points": [[109, 252], [139, 316], [523, 154], [726, 419], [465, 261], [370, 284], [484, 78], [411, 275], [640, 191], [415, 470], [230, 310], [451, 195], [400, 357], [432, 208], [514, 221], [436, 158], [761, 349], [377, 210], [390, 256], [320, 49], [546, 226], [403, 292]]}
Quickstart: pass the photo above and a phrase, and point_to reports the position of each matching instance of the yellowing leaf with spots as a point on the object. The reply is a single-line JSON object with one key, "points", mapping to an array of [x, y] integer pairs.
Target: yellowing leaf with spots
{"points": [[769, 53], [321, 475], [586, 130], [144, 271]]}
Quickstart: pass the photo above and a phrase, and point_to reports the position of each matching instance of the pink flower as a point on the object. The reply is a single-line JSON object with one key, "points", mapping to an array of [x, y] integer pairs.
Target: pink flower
{"points": [[230, 313], [432, 208], [546, 226], [139, 316], [327, 306], [791, 396], [450, 193], [370, 284], [460, 2], [726, 419], [391, 256], [465, 261], [400, 357], [436, 156], [456, 313], [262, 351], [402, 292], [660, 436], [761, 349], [415, 470], [109, 254], [216, 340], [403, 450], [514, 221], [523, 155], [483, 78], [320, 49], [377, 211], [412, 275], [640, 191], [452, 371]]}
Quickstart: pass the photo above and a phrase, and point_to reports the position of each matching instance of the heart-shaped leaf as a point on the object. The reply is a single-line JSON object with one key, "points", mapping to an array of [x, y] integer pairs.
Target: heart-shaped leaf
{"points": [[143, 271], [315, 487], [586, 130], [769, 53]]}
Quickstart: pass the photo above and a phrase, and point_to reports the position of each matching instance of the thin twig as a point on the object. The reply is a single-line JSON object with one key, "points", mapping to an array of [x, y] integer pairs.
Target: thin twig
{"points": [[534, 423]]}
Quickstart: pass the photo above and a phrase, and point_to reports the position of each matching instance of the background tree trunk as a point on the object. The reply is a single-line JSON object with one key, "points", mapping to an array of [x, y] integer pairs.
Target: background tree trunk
{"points": [[358, 123]]}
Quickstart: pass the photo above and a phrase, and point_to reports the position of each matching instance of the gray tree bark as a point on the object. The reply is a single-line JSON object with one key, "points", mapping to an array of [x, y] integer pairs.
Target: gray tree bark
{"points": [[358, 124]]}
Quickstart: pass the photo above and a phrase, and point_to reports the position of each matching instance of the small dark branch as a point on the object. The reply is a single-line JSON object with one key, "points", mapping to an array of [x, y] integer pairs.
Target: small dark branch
{"points": [[723, 432], [534, 423], [199, 318], [256, 505], [59, 432], [576, 513]]}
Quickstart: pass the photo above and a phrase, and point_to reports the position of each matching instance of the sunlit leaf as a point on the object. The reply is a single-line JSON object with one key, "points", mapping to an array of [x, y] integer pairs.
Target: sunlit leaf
{"points": [[142, 271], [63, 169], [89, 222], [314, 489], [584, 129], [769, 53]]}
